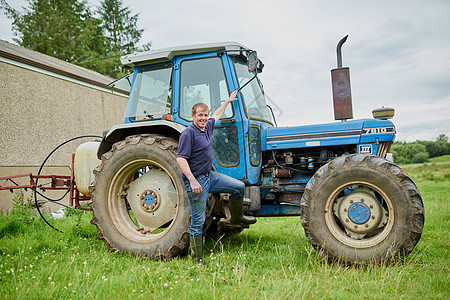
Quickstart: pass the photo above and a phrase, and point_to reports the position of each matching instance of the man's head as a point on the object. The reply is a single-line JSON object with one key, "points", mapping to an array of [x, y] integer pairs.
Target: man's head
{"points": [[200, 115]]}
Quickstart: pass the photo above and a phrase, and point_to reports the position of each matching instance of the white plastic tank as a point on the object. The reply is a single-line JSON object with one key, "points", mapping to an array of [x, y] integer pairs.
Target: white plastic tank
{"points": [[85, 162]]}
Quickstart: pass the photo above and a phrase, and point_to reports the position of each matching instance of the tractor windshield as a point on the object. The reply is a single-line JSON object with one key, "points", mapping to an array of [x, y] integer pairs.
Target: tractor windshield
{"points": [[151, 93], [253, 93]]}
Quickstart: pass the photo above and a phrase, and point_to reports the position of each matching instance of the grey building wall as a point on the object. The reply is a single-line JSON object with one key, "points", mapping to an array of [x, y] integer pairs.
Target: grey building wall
{"points": [[39, 110]]}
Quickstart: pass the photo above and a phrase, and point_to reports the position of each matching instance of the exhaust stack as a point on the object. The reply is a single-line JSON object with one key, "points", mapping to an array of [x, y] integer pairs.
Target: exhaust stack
{"points": [[340, 80]]}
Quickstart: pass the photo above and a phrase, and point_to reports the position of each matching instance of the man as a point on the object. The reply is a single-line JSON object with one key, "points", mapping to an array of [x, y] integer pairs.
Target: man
{"points": [[195, 156]]}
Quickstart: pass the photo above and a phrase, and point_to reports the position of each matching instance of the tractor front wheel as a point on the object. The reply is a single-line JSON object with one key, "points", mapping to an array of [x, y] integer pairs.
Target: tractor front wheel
{"points": [[139, 201], [361, 208]]}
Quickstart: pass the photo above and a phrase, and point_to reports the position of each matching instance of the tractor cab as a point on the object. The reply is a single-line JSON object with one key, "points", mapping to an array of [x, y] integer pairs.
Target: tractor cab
{"points": [[167, 83]]}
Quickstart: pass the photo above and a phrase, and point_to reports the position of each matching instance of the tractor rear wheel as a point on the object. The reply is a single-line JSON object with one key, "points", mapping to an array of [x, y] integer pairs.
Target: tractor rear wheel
{"points": [[139, 201], [361, 208]]}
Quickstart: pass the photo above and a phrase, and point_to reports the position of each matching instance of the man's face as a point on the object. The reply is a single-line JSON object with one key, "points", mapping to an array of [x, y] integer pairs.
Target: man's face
{"points": [[200, 118]]}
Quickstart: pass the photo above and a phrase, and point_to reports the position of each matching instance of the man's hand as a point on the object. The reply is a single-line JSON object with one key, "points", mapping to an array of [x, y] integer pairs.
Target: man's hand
{"points": [[219, 112], [195, 186], [184, 166], [232, 97]]}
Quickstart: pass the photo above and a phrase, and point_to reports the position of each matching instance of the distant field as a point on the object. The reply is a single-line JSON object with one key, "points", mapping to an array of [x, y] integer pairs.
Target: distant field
{"points": [[270, 260], [445, 158]]}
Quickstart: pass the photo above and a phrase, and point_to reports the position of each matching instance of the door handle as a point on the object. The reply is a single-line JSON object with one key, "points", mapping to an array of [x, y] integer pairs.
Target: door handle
{"points": [[232, 121]]}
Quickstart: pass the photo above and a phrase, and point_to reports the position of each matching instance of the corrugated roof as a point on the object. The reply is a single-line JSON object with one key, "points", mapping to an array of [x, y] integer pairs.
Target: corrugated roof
{"points": [[46, 62]]}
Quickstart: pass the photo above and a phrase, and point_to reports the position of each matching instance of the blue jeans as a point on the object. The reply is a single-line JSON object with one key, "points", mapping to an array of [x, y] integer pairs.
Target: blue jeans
{"points": [[211, 183]]}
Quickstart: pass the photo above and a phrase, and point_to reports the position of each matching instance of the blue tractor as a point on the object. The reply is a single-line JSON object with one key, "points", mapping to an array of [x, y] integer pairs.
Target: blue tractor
{"points": [[355, 206]]}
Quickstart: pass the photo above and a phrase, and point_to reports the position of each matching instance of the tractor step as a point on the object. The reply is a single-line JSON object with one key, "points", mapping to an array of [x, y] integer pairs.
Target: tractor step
{"points": [[225, 223]]}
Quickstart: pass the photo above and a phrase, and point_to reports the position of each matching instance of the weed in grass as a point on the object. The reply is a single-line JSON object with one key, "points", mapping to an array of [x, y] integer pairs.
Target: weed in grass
{"points": [[16, 221]]}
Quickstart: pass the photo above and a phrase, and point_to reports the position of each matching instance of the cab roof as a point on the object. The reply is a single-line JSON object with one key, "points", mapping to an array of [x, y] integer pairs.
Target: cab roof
{"points": [[167, 54]]}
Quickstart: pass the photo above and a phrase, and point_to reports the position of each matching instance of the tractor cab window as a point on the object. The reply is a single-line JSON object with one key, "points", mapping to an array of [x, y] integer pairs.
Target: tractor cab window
{"points": [[253, 93], [151, 94], [203, 80]]}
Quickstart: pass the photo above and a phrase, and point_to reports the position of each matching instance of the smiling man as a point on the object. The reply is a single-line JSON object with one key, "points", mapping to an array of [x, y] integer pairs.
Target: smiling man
{"points": [[195, 157]]}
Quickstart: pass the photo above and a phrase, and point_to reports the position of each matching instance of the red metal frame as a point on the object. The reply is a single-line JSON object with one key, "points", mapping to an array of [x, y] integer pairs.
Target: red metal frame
{"points": [[57, 182], [52, 182]]}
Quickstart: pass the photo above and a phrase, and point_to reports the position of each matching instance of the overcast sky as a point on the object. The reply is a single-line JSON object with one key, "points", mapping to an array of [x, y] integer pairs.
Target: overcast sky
{"points": [[398, 52]]}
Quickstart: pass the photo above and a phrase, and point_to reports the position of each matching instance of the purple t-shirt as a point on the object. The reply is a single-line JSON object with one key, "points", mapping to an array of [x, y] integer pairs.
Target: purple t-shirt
{"points": [[195, 146]]}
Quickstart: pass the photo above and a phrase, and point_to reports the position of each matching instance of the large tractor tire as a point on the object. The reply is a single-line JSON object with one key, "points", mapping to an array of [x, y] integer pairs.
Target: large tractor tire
{"points": [[361, 208], [139, 201]]}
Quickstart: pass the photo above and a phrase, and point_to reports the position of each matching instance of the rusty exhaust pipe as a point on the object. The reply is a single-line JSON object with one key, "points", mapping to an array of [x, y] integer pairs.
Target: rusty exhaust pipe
{"points": [[340, 80], [338, 51]]}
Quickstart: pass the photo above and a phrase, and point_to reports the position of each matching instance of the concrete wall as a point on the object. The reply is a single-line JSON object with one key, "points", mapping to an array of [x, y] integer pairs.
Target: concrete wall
{"points": [[38, 112]]}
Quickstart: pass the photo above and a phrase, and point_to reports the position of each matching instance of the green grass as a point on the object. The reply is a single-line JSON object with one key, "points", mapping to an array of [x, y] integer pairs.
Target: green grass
{"points": [[270, 260]]}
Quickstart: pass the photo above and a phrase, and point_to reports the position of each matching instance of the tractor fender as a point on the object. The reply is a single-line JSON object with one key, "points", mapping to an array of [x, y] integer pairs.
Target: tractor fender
{"points": [[120, 132]]}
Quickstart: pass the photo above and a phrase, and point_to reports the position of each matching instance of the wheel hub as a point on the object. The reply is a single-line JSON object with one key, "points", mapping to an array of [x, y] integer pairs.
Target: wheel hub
{"points": [[360, 212], [149, 200], [153, 199]]}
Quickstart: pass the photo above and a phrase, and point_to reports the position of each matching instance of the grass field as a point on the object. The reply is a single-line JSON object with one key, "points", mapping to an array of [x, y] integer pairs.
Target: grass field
{"points": [[271, 260]]}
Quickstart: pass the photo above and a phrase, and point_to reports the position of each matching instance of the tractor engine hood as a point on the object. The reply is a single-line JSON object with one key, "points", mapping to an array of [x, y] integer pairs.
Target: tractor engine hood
{"points": [[330, 134]]}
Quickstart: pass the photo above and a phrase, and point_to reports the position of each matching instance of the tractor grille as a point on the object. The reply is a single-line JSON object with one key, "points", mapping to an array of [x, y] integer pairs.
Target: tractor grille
{"points": [[383, 149]]}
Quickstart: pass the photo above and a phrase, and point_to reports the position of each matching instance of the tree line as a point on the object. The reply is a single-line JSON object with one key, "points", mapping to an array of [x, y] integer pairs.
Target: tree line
{"points": [[420, 151], [70, 30]]}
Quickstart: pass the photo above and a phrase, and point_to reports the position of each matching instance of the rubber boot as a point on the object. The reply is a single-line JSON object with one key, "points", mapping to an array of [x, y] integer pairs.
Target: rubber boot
{"points": [[237, 217], [196, 244]]}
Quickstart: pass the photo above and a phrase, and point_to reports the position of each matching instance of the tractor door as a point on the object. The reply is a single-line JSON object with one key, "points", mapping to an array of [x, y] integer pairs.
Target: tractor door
{"points": [[205, 78]]}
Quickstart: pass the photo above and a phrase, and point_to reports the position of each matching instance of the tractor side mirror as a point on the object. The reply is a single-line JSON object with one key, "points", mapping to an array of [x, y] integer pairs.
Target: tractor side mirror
{"points": [[252, 61], [254, 64]]}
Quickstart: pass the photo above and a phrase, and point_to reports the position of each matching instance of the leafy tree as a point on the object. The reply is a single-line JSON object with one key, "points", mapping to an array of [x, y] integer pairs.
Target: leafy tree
{"points": [[68, 30], [442, 138], [432, 148], [442, 145], [120, 28], [420, 151], [63, 29], [420, 157], [438, 148], [409, 152]]}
